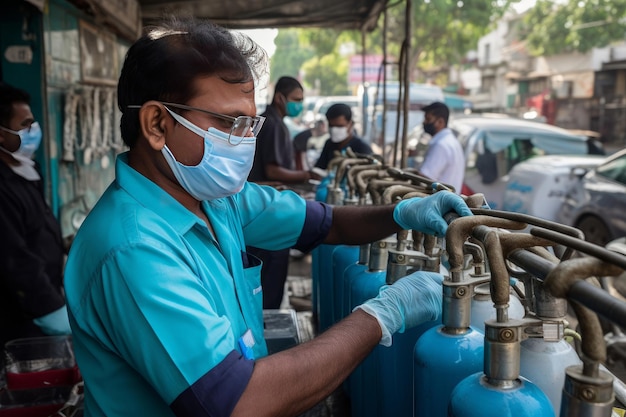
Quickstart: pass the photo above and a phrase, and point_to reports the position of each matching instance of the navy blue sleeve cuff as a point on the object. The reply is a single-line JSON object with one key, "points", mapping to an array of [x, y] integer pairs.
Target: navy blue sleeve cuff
{"points": [[319, 218], [218, 391]]}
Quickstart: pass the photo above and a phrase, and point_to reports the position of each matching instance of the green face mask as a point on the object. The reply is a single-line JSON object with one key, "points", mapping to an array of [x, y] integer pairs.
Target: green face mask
{"points": [[294, 108]]}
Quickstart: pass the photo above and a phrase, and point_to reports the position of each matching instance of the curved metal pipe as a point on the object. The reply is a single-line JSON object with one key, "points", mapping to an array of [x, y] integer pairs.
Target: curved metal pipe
{"points": [[535, 221], [391, 194], [334, 162], [362, 179], [475, 200], [560, 280], [583, 246], [344, 165], [354, 170], [458, 232], [478, 257], [377, 186], [499, 283]]}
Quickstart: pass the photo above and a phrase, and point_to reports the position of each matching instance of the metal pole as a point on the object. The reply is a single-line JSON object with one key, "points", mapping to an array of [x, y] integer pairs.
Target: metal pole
{"points": [[407, 82]]}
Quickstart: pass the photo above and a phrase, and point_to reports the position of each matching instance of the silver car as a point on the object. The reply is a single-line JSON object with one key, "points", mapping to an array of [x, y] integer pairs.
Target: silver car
{"points": [[597, 203]]}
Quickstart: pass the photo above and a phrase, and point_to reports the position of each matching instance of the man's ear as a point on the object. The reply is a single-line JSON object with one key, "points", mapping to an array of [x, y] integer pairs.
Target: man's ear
{"points": [[154, 123]]}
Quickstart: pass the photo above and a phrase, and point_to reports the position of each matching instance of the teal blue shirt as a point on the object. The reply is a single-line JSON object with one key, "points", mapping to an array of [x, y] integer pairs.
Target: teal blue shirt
{"points": [[158, 304]]}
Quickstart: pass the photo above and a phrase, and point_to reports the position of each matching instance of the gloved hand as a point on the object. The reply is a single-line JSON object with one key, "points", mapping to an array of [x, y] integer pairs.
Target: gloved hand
{"points": [[426, 214], [55, 323], [410, 301]]}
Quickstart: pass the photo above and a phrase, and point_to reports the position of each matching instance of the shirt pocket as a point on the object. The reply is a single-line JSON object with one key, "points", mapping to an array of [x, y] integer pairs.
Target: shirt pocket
{"points": [[253, 294]]}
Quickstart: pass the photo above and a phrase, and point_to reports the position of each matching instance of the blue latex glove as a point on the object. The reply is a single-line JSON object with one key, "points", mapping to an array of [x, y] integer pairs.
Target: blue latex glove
{"points": [[55, 323], [426, 214], [409, 302]]}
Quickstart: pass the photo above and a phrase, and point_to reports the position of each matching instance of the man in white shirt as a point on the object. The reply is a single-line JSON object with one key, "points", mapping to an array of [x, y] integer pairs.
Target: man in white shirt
{"points": [[444, 160]]}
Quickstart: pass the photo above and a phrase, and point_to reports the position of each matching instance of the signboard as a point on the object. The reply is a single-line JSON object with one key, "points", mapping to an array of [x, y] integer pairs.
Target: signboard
{"points": [[372, 68]]}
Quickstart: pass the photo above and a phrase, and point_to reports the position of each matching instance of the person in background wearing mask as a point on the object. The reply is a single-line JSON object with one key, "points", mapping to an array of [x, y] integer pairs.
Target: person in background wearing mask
{"points": [[31, 265], [164, 301], [274, 164], [444, 160], [342, 135]]}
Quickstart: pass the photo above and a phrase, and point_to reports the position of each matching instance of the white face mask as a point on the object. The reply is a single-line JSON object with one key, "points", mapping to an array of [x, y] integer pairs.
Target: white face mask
{"points": [[338, 134], [224, 168]]}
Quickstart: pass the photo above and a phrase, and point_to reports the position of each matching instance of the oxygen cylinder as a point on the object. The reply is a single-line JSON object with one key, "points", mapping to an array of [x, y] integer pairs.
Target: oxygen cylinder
{"points": [[544, 363], [322, 272], [365, 284], [342, 257], [482, 307], [545, 358], [395, 369], [446, 354], [472, 397]]}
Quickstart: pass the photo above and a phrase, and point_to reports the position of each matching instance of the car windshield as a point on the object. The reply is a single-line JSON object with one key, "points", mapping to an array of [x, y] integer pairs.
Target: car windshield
{"points": [[614, 169]]}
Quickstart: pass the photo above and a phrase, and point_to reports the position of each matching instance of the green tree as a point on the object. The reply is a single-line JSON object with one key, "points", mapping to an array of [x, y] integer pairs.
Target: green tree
{"points": [[290, 54], [443, 31], [554, 27]]}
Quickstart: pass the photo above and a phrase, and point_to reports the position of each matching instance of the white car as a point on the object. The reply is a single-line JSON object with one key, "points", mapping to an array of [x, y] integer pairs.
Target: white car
{"points": [[539, 185]]}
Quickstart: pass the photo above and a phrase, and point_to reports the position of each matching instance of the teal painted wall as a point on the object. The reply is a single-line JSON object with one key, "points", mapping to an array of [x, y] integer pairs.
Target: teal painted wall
{"points": [[21, 25], [72, 57], [80, 179]]}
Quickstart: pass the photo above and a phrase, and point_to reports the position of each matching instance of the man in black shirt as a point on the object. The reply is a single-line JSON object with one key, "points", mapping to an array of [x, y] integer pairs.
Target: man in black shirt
{"points": [[342, 135], [31, 266]]}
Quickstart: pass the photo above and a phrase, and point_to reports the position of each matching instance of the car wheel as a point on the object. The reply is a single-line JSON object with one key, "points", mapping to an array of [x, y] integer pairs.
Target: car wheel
{"points": [[595, 230]]}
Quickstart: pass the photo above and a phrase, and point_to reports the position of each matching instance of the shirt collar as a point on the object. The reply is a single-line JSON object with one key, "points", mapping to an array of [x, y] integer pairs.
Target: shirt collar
{"points": [[153, 197], [443, 132]]}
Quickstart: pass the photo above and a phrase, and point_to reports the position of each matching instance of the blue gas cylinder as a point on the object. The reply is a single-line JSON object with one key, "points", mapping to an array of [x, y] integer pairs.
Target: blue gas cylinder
{"points": [[364, 400], [322, 281], [473, 397], [395, 372], [343, 256], [441, 361], [321, 192]]}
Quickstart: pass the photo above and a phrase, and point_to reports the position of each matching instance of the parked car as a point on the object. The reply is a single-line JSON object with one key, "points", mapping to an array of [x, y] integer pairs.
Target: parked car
{"points": [[538, 185], [596, 203], [495, 143]]}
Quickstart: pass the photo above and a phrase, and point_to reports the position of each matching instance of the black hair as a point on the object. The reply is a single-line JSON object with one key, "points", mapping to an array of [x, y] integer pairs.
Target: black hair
{"points": [[10, 95], [164, 63], [438, 109], [286, 85], [338, 110]]}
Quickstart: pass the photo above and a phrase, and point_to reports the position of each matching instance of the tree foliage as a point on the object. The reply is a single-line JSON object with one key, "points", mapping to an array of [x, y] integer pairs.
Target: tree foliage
{"points": [[553, 27], [290, 54], [443, 31]]}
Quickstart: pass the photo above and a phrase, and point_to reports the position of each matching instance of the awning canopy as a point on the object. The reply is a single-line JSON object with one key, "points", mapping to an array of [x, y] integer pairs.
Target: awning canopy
{"points": [[254, 14]]}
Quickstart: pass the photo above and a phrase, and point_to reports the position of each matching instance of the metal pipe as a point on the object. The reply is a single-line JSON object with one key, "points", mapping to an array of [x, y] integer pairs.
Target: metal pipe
{"points": [[362, 179], [583, 292], [535, 221], [344, 165], [354, 170], [461, 228], [392, 193], [377, 186], [582, 246]]}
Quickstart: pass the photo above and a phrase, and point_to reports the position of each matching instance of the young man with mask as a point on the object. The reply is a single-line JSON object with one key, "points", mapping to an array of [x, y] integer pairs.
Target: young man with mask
{"points": [[444, 160], [164, 301], [31, 265], [342, 135], [274, 164]]}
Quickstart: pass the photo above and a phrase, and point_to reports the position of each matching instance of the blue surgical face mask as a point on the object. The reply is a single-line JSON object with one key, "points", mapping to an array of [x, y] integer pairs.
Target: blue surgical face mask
{"points": [[223, 169], [294, 108], [30, 139]]}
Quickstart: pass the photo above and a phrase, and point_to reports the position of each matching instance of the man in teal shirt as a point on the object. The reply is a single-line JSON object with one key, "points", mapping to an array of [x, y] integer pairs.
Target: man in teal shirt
{"points": [[164, 302]]}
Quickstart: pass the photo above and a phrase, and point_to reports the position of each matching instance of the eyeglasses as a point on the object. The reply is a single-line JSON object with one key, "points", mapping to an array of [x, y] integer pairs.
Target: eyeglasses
{"points": [[240, 126]]}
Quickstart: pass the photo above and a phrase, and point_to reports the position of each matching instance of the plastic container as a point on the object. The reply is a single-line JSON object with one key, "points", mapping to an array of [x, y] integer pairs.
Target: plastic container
{"points": [[40, 362]]}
